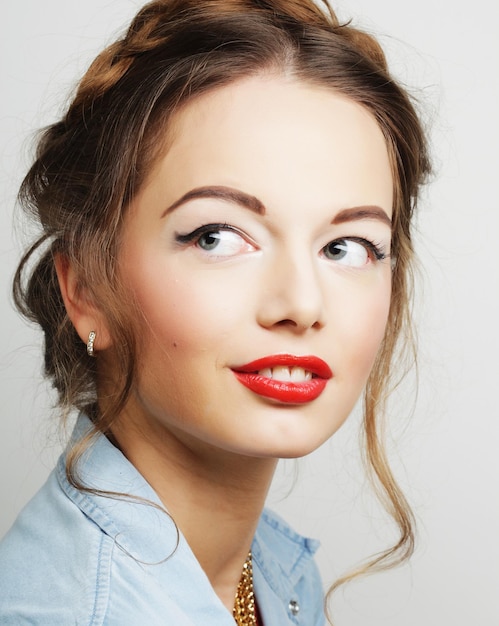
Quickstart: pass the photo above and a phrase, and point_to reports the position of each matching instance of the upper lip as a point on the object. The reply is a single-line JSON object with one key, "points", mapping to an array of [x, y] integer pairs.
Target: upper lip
{"points": [[311, 363]]}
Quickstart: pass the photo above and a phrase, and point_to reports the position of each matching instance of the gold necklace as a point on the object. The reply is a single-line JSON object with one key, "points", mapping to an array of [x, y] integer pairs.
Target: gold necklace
{"points": [[244, 606]]}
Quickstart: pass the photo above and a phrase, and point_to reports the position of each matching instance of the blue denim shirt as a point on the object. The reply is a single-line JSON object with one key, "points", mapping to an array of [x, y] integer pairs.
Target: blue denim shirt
{"points": [[78, 558]]}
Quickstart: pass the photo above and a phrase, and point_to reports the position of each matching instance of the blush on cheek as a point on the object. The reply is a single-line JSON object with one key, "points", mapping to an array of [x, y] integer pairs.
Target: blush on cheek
{"points": [[366, 332]]}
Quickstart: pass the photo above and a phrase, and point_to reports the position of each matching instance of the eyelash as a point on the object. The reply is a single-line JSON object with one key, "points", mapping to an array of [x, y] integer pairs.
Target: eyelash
{"points": [[377, 251], [202, 230]]}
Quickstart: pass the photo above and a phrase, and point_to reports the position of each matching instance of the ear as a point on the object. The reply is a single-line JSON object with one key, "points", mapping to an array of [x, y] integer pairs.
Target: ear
{"points": [[80, 306]]}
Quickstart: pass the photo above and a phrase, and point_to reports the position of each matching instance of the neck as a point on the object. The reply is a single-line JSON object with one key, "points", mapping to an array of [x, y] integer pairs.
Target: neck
{"points": [[215, 497]]}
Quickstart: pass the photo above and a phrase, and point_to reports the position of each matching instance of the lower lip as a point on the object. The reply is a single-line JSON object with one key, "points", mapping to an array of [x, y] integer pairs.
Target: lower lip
{"points": [[282, 391]]}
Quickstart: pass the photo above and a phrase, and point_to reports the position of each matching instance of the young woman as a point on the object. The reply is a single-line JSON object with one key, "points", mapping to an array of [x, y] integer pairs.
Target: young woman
{"points": [[223, 270]]}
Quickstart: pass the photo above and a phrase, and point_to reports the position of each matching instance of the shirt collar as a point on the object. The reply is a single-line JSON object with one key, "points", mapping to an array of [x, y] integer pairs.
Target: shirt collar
{"points": [[118, 498], [282, 555]]}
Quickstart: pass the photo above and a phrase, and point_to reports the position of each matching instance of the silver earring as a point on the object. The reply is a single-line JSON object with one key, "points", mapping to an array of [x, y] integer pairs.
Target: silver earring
{"points": [[90, 343]]}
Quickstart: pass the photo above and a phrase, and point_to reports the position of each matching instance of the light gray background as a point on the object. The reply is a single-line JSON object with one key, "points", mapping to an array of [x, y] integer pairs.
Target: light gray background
{"points": [[445, 453]]}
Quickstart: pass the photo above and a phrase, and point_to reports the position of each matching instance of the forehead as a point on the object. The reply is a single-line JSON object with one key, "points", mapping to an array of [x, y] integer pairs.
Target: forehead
{"points": [[277, 137]]}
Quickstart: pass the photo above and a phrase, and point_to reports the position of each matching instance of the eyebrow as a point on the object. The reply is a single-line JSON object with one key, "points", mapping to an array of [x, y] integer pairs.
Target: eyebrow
{"points": [[362, 213], [228, 194], [247, 201]]}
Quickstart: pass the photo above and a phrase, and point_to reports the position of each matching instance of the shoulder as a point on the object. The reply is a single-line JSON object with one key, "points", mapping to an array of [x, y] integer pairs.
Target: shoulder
{"points": [[286, 568], [101, 556], [62, 562], [47, 559]]}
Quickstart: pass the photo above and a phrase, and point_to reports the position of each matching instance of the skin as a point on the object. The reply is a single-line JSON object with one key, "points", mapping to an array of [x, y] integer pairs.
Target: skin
{"points": [[310, 158]]}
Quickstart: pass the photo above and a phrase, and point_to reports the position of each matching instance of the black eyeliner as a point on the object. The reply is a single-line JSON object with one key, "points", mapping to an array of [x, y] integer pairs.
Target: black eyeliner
{"points": [[377, 252], [206, 228]]}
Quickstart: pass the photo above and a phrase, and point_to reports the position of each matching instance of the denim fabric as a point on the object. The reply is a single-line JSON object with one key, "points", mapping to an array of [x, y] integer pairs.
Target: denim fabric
{"points": [[74, 557]]}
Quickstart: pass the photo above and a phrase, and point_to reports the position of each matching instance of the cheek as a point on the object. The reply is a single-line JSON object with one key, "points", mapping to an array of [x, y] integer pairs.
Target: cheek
{"points": [[363, 326], [183, 313], [170, 314]]}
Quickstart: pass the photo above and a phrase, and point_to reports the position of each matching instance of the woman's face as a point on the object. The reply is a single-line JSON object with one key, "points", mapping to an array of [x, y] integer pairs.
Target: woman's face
{"points": [[258, 254]]}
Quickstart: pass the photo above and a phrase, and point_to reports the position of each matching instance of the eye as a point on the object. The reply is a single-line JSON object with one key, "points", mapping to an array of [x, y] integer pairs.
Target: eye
{"points": [[222, 242], [217, 240], [353, 252], [209, 241]]}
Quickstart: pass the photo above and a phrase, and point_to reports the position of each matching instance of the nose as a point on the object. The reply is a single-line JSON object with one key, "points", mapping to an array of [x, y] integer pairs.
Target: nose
{"points": [[292, 296]]}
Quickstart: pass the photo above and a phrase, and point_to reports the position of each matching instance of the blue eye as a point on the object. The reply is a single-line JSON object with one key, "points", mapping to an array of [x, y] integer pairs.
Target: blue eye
{"points": [[221, 240], [209, 241], [353, 252]]}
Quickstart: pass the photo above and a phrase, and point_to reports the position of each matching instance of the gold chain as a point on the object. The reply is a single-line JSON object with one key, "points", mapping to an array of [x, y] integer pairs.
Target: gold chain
{"points": [[244, 606]]}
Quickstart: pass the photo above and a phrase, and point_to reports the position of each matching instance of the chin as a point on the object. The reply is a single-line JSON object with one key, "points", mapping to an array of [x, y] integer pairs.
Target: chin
{"points": [[294, 447]]}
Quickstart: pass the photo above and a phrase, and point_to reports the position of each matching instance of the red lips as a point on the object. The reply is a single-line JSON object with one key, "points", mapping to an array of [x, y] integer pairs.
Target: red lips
{"points": [[291, 392]]}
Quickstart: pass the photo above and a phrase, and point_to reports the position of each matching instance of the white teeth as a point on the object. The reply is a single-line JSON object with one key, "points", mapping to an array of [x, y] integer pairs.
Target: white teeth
{"points": [[286, 374], [281, 373], [298, 374], [266, 372]]}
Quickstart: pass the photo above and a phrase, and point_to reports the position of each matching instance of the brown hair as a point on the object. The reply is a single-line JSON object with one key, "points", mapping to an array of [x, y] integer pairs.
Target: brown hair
{"points": [[90, 164]]}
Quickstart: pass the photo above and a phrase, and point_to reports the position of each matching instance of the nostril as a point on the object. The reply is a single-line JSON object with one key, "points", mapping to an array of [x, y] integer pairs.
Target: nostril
{"points": [[297, 326], [287, 323]]}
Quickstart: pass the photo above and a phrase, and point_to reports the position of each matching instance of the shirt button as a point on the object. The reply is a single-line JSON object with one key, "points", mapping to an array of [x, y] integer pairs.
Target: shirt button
{"points": [[294, 607]]}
